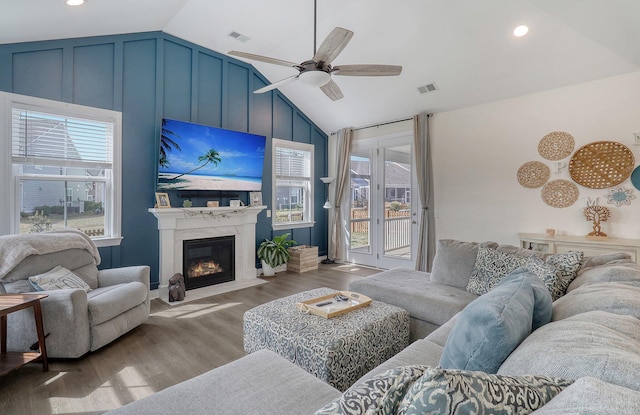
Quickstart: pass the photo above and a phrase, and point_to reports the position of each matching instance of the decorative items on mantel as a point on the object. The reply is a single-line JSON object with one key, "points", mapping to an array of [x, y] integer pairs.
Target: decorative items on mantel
{"points": [[558, 244], [597, 165], [597, 214]]}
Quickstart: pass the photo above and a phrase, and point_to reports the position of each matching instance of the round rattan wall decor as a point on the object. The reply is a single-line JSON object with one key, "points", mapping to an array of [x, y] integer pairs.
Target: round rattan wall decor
{"points": [[556, 145], [533, 174], [601, 164], [560, 193]]}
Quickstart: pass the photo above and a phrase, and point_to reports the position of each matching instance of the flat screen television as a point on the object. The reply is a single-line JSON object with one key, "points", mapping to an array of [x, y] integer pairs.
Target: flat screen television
{"points": [[201, 157]]}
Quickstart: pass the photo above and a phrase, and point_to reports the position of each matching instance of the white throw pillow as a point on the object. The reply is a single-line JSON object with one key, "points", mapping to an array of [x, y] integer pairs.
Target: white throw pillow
{"points": [[58, 278]]}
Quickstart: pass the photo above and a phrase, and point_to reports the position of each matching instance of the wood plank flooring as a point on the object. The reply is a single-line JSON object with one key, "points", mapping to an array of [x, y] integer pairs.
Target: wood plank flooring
{"points": [[175, 344]]}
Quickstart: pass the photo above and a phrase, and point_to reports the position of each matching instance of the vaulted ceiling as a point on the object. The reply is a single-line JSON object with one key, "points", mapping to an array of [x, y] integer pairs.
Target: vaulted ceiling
{"points": [[466, 47]]}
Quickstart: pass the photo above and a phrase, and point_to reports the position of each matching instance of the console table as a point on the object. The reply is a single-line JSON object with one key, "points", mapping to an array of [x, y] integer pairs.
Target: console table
{"points": [[10, 303], [590, 247]]}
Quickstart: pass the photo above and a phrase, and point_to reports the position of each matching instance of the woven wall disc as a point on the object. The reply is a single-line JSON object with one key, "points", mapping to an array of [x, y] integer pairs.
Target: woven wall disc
{"points": [[601, 164], [533, 174], [560, 193], [556, 145]]}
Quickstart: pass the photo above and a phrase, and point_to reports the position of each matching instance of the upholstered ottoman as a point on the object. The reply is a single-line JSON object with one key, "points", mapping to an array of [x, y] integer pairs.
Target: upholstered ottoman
{"points": [[338, 350]]}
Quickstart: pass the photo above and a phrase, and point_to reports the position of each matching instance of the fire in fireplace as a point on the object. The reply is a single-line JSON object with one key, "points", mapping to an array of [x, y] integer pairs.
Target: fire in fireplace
{"points": [[208, 261]]}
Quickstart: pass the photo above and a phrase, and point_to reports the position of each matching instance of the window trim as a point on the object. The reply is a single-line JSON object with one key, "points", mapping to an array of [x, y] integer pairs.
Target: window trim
{"points": [[292, 145], [9, 212]]}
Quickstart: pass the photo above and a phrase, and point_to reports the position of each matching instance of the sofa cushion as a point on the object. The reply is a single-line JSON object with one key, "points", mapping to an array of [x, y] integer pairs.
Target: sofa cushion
{"points": [[590, 396], [413, 291], [454, 261], [567, 265], [108, 302], [443, 391], [556, 270], [490, 267], [489, 328], [260, 383], [380, 394], [606, 273], [598, 344], [89, 274], [613, 297], [58, 278]]}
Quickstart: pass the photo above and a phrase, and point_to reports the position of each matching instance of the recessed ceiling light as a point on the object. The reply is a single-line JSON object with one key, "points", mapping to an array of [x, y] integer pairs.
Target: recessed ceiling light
{"points": [[520, 30], [74, 2]]}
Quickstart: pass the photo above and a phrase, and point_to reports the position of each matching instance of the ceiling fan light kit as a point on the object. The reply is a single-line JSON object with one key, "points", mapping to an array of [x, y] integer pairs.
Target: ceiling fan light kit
{"points": [[314, 78], [317, 72]]}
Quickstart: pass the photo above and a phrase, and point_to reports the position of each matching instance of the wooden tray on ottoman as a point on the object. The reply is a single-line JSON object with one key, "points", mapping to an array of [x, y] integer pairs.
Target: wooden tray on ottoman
{"points": [[332, 307]]}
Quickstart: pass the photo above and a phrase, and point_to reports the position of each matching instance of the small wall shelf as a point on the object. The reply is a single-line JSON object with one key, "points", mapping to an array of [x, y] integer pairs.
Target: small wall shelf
{"points": [[564, 243]]}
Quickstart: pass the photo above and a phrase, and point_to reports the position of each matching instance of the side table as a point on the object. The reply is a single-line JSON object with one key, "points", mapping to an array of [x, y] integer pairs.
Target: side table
{"points": [[10, 303]]}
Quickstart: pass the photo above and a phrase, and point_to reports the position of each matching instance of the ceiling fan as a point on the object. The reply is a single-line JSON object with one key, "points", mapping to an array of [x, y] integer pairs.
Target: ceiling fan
{"points": [[318, 70]]}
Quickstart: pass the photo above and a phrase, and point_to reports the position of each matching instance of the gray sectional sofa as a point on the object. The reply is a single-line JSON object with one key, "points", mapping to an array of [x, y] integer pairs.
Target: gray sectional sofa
{"points": [[96, 306], [579, 354]]}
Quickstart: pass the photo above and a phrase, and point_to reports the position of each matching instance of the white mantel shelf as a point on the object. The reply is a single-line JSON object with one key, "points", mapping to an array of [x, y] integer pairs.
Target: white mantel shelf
{"points": [[176, 225]]}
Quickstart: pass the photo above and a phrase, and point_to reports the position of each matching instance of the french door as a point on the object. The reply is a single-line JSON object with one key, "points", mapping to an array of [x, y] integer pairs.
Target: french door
{"points": [[383, 212]]}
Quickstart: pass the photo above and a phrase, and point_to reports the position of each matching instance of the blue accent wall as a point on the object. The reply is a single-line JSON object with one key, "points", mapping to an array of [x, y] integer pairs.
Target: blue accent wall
{"points": [[150, 75]]}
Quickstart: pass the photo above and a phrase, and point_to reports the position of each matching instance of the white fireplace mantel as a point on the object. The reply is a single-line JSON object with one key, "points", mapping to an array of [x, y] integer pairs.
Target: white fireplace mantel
{"points": [[176, 225]]}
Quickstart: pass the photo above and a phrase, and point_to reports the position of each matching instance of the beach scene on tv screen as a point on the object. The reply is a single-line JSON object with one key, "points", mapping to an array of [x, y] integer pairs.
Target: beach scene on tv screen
{"points": [[200, 157]]}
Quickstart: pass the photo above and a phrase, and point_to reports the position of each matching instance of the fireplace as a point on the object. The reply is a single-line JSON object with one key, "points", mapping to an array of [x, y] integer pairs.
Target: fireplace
{"points": [[176, 225], [208, 261]]}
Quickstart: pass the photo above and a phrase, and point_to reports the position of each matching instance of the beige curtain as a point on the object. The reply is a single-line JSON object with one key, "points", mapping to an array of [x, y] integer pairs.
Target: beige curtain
{"points": [[427, 232], [337, 232]]}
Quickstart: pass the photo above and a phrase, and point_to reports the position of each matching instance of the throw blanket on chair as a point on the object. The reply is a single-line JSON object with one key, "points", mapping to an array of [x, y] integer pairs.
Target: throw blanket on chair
{"points": [[15, 248]]}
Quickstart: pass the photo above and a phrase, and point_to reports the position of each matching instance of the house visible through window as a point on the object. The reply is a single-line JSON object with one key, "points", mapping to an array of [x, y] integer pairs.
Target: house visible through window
{"points": [[65, 168], [293, 179]]}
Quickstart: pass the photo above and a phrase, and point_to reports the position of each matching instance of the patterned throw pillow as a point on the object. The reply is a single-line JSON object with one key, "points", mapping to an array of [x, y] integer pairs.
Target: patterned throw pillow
{"points": [[443, 391], [491, 266], [57, 279], [568, 266], [547, 273], [380, 394]]}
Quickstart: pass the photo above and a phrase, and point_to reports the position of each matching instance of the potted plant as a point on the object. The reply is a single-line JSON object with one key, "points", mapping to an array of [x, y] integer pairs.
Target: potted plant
{"points": [[273, 253]]}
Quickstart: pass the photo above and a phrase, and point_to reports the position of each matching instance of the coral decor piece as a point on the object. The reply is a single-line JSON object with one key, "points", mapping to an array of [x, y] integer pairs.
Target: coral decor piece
{"points": [[620, 196], [556, 145], [597, 214]]}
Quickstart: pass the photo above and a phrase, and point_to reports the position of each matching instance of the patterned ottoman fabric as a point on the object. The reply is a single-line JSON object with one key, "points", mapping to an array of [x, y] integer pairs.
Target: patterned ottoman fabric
{"points": [[339, 350]]}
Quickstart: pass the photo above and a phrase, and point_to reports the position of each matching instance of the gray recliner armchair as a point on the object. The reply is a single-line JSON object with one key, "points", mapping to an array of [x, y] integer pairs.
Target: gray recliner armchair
{"points": [[75, 321]]}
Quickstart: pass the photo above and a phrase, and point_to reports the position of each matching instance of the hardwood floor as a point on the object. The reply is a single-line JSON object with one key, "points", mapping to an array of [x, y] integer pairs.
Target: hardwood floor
{"points": [[175, 344]]}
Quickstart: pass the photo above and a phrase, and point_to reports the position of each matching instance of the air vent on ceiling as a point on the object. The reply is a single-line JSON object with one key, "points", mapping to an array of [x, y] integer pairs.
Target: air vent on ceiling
{"points": [[239, 36], [428, 88]]}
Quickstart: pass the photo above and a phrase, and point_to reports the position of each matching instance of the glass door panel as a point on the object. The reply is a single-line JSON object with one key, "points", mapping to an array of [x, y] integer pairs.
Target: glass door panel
{"points": [[397, 229], [360, 215]]}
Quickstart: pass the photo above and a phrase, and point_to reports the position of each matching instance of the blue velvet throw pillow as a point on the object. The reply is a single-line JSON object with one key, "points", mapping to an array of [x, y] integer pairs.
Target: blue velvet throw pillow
{"points": [[543, 302], [491, 327]]}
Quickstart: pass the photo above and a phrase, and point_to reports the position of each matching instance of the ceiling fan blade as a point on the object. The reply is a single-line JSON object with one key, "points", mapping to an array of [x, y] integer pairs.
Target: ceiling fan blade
{"points": [[263, 58], [276, 84], [367, 70], [332, 90], [333, 45]]}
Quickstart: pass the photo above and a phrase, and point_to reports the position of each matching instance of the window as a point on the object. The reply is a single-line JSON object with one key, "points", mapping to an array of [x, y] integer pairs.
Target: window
{"points": [[64, 164], [293, 184]]}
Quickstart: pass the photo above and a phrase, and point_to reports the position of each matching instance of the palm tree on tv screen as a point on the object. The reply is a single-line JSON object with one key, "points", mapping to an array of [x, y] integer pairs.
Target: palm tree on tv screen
{"points": [[167, 144], [211, 156]]}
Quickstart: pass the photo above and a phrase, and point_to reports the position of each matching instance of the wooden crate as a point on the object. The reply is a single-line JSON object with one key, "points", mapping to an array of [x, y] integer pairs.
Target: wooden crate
{"points": [[303, 258]]}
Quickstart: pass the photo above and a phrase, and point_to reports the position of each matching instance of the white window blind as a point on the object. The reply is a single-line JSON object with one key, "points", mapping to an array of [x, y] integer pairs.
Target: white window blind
{"points": [[40, 138], [293, 164]]}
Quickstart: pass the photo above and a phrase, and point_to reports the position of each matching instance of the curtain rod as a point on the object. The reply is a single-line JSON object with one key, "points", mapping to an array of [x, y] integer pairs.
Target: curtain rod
{"points": [[381, 124]]}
